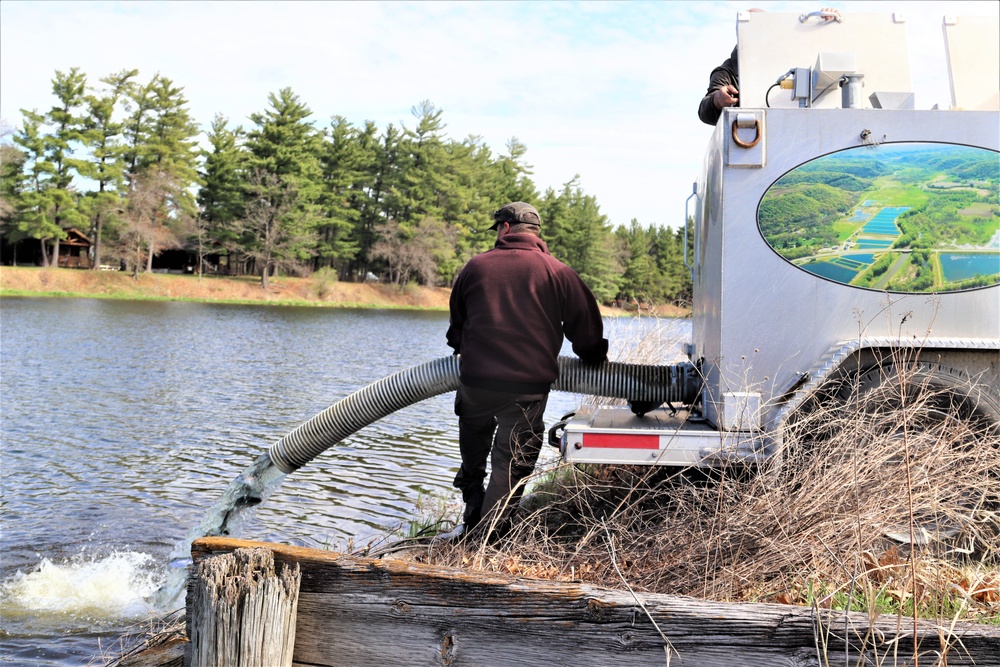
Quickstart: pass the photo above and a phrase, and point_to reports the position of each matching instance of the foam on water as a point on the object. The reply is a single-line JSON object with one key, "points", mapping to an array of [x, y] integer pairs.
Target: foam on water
{"points": [[85, 592], [96, 593]]}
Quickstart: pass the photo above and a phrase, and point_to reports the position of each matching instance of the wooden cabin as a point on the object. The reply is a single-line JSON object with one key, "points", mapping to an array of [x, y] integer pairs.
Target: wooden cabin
{"points": [[74, 251]]}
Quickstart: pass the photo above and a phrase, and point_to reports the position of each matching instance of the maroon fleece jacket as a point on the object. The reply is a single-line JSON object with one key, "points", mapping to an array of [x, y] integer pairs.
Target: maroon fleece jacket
{"points": [[510, 307]]}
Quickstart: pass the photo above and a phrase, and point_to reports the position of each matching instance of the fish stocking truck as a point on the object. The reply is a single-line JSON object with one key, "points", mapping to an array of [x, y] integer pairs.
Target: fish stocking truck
{"points": [[845, 251]]}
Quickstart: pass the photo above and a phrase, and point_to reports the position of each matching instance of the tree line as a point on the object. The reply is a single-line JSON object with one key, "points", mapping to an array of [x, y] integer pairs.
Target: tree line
{"points": [[120, 159]]}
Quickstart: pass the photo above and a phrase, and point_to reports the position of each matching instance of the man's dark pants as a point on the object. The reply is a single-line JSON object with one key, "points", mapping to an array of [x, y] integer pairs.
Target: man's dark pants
{"points": [[512, 427]]}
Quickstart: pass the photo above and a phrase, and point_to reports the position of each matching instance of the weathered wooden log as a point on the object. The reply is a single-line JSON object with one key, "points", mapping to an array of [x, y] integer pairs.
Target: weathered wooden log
{"points": [[240, 611], [382, 612], [161, 651]]}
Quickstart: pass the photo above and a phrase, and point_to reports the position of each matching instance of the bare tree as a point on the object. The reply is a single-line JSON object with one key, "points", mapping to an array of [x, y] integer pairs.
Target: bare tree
{"points": [[151, 220], [197, 230], [274, 229], [415, 254]]}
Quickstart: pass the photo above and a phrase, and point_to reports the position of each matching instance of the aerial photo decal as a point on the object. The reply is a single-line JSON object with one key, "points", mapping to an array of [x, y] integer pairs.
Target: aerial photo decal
{"points": [[906, 217]]}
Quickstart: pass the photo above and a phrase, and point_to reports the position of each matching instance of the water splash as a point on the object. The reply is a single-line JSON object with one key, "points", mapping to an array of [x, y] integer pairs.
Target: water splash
{"points": [[91, 593], [82, 593], [249, 489]]}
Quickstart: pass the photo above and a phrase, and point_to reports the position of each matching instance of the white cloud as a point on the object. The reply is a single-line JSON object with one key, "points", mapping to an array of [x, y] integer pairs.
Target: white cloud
{"points": [[605, 90]]}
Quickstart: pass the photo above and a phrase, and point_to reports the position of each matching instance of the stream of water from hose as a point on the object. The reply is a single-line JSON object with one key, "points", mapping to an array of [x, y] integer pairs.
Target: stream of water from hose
{"points": [[250, 488]]}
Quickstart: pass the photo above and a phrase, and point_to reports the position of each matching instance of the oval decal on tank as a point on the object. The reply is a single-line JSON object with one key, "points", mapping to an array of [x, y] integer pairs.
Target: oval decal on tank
{"points": [[913, 217]]}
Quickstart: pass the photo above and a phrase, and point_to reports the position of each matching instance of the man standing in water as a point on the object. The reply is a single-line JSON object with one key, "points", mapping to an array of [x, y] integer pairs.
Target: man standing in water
{"points": [[510, 307]]}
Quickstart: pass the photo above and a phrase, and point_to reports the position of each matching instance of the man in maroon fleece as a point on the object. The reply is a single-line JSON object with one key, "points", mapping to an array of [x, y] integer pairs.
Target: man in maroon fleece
{"points": [[510, 307]]}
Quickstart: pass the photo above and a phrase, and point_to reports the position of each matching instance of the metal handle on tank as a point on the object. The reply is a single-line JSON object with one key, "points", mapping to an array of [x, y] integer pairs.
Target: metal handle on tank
{"points": [[687, 221], [756, 137]]}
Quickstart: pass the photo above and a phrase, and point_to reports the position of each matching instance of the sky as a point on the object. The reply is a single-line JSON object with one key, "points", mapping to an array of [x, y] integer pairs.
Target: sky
{"points": [[604, 90]]}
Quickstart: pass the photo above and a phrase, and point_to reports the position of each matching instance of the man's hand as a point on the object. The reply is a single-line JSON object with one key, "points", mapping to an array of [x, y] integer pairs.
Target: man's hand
{"points": [[726, 96], [831, 14]]}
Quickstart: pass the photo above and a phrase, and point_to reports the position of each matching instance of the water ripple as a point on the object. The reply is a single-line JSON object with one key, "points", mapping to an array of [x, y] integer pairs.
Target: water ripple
{"points": [[122, 423]]}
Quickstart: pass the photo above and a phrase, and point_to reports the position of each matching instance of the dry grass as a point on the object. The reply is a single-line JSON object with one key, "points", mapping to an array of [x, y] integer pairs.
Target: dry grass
{"points": [[313, 291], [829, 525], [159, 641]]}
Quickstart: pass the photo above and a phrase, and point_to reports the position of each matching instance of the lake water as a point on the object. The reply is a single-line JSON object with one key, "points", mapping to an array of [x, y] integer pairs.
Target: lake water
{"points": [[122, 422], [831, 271], [962, 266], [884, 221]]}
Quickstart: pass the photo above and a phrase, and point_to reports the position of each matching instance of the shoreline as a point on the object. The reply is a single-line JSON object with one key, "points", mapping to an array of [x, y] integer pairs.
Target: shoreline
{"points": [[234, 290], [312, 292]]}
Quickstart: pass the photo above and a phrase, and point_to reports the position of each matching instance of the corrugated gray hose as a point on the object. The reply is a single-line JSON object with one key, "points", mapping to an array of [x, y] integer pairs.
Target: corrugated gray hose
{"points": [[653, 384]]}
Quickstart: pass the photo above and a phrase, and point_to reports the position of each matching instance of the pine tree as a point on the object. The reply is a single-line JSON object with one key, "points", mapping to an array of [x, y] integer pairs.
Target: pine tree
{"points": [[171, 141], [365, 198], [425, 171], [385, 194], [514, 174], [284, 145], [347, 169], [138, 102], [11, 181], [392, 165], [471, 201], [674, 277], [66, 132], [222, 195], [47, 205], [638, 281], [32, 210], [579, 235], [102, 135], [160, 147]]}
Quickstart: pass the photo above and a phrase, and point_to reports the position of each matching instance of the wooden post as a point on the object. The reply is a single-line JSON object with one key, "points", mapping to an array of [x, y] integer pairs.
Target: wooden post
{"points": [[240, 612]]}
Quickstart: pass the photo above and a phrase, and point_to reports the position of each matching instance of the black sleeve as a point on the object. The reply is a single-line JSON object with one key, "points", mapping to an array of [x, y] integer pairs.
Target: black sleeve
{"points": [[724, 75]]}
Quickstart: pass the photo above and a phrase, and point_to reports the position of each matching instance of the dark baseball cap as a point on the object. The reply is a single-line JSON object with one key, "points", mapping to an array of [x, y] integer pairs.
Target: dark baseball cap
{"points": [[516, 212]]}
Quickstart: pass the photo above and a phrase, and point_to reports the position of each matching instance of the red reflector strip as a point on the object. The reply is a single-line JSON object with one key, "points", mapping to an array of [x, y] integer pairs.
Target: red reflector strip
{"points": [[621, 441]]}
